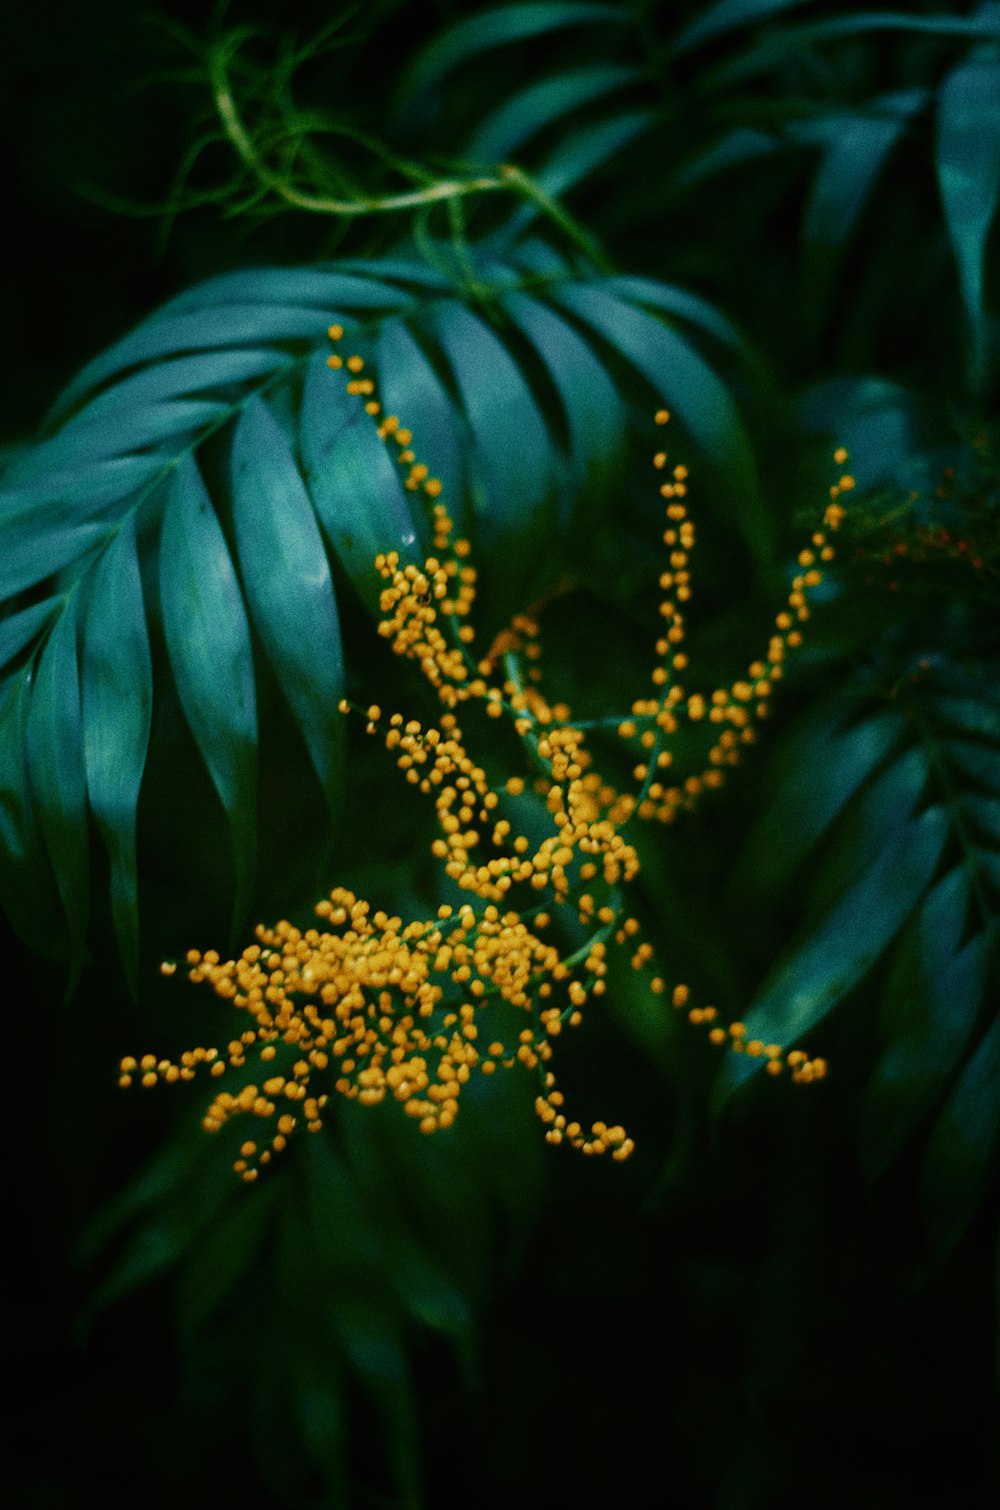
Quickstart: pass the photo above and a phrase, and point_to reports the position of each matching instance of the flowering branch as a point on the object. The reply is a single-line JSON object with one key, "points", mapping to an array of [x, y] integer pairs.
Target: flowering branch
{"points": [[373, 1007]]}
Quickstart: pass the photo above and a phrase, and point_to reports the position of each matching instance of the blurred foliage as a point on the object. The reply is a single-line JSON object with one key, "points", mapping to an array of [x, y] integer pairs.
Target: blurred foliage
{"points": [[780, 218]]}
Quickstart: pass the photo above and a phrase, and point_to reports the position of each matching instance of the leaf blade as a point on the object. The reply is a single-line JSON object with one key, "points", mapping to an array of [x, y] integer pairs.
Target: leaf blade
{"points": [[357, 492], [504, 24], [56, 773], [968, 173], [208, 641], [690, 388], [816, 972], [117, 701], [280, 548]]}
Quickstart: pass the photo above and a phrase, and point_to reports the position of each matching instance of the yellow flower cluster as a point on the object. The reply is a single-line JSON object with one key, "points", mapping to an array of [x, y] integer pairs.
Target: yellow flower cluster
{"points": [[370, 1007]]}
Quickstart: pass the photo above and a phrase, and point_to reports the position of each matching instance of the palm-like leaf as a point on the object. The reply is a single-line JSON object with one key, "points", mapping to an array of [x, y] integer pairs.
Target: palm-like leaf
{"points": [[857, 143], [195, 476], [906, 800], [339, 1266]]}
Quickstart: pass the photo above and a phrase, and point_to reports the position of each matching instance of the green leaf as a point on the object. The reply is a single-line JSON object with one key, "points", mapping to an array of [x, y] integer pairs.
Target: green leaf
{"points": [[46, 536], [412, 390], [872, 822], [374, 1346], [355, 486], [144, 405], [510, 462], [219, 326], [985, 813], [978, 763], [680, 302], [587, 149], [19, 629], [214, 1268], [502, 133], [522, 422], [962, 1147], [168, 1230], [882, 425], [818, 971], [726, 16], [792, 40], [239, 311], [117, 693], [423, 1287], [104, 480], [347, 1259], [56, 773], [688, 386], [821, 765], [329, 287], [594, 413], [734, 149], [932, 1002], [505, 24], [971, 715], [208, 641], [27, 889], [318, 1401], [288, 583], [968, 173], [105, 431], [858, 150]]}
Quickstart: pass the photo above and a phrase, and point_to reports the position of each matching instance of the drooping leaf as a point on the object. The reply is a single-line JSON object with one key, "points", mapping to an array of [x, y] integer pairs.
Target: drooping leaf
{"points": [[689, 387], [588, 148], [792, 40], [56, 773], [594, 412], [474, 35], [822, 764], [932, 1001], [500, 136], [323, 288], [208, 641], [215, 1266], [413, 391], [19, 629], [741, 145], [288, 583], [117, 424], [356, 488], [681, 303], [858, 149], [510, 460], [725, 16], [984, 813], [27, 888], [105, 427], [168, 1228], [818, 971], [218, 325], [43, 538], [367, 1330], [968, 172], [963, 1146], [117, 691]]}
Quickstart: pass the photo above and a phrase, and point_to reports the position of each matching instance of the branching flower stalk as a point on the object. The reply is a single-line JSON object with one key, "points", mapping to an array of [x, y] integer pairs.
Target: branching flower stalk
{"points": [[371, 1007]]}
